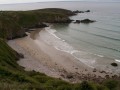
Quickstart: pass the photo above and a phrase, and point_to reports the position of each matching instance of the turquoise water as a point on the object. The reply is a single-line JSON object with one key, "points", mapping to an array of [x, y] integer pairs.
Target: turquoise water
{"points": [[99, 41], [96, 44], [101, 37]]}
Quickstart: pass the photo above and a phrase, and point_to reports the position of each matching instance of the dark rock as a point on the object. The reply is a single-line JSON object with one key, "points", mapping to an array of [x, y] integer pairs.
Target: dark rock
{"points": [[62, 75], [87, 21], [76, 68], [69, 76], [81, 11], [107, 76], [115, 76], [21, 55], [40, 25], [77, 21], [16, 36], [102, 72], [94, 70], [114, 64], [87, 11], [62, 21], [77, 11]]}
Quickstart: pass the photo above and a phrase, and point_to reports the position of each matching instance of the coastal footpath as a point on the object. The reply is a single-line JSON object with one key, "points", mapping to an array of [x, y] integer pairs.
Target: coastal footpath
{"points": [[14, 24]]}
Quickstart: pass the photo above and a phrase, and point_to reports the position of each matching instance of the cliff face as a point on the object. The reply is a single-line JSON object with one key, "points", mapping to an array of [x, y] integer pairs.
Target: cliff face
{"points": [[13, 22], [9, 29]]}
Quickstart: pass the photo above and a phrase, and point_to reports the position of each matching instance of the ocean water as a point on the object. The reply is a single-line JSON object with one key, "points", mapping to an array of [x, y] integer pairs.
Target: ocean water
{"points": [[96, 45]]}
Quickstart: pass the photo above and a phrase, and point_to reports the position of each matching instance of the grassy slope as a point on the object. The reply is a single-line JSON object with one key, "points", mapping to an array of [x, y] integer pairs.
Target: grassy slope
{"points": [[13, 77], [13, 22]]}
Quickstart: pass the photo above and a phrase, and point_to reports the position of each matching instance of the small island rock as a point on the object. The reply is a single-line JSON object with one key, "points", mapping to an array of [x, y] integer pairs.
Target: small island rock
{"points": [[87, 21]]}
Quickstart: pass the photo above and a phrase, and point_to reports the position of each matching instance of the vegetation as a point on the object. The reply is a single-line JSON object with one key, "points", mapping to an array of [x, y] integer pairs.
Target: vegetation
{"points": [[13, 23], [13, 76]]}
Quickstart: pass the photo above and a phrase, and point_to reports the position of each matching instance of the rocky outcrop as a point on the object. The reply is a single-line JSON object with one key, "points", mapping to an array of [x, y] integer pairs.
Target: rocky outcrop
{"points": [[87, 11], [77, 11], [77, 21], [39, 25], [86, 21], [62, 21]]}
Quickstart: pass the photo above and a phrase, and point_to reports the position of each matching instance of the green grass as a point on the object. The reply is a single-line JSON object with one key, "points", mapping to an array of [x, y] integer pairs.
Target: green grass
{"points": [[12, 23], [13, 76]]}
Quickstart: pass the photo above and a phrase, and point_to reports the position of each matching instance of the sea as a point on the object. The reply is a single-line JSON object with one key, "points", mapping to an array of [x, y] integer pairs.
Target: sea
{"points": [[97, 44]]}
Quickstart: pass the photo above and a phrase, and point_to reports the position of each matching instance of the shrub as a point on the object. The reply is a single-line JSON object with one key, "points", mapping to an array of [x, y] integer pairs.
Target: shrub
{"points": [[111, 84], [101, 87], [86, 86], [64, 87]]}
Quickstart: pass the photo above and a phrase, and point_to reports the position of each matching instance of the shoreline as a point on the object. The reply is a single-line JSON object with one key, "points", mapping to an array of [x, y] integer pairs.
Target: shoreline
{"points": [[43, 58]]}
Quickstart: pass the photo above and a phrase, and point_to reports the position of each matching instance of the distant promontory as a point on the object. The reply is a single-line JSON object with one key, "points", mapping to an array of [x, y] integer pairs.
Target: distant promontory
{"points": [[13, 24]]}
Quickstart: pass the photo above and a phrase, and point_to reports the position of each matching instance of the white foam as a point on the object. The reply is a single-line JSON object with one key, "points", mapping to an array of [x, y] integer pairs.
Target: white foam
{"points": [[51, 38], [117, 60], [74, 51], [84, 61], [99, 55], [61, 49], [83, 57], [52, 32]]}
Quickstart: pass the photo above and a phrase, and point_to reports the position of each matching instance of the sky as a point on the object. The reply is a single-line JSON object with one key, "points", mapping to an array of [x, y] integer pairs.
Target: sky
{"points": [[26, 1]]}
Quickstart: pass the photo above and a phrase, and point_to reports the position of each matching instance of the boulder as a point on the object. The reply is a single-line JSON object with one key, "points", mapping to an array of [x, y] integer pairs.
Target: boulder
{"points": [[114, 64], [69, 76], [87, 11]]}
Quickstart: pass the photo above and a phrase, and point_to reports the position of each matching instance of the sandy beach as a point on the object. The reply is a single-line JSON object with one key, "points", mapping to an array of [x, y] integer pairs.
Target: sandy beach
{"points": [[44, 58]]}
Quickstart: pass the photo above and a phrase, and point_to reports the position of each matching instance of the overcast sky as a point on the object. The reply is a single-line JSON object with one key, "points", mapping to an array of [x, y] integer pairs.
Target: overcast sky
{"points": [[24, 1]]}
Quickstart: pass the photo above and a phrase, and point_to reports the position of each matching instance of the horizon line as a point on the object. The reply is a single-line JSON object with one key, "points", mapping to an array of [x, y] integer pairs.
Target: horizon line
{"points": [[57, 1]]}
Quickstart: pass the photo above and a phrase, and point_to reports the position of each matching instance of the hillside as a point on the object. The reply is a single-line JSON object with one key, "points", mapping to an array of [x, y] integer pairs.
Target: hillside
{"points": [[13, 77], [18, 21]]}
